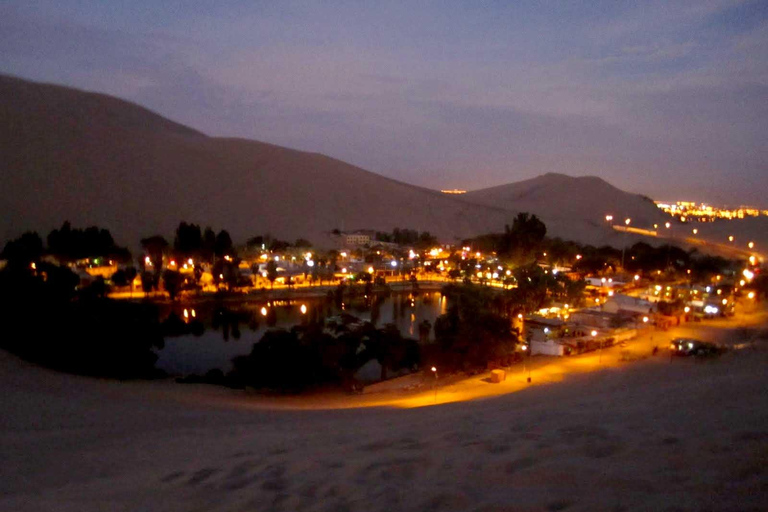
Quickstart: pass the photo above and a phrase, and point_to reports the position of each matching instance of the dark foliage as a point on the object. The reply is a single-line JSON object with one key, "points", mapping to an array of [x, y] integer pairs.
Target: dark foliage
{"points": [[408, 237], [49, 324], [306, 356], [69, 244], [21, 252], [471, 333]]}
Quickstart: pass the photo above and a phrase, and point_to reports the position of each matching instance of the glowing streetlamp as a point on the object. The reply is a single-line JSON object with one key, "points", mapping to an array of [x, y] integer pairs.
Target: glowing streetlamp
{"points": [[730, 238], [695, 231], [303, 309], [751, 245], [600, 348], [608, 218], [667, 225], [624, 245], [434, 370]]}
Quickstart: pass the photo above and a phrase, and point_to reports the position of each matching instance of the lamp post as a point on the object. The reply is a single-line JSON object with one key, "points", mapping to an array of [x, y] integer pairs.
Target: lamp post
{"points": [[524, 348], [600, 349], [434, 370], [624, 245]]}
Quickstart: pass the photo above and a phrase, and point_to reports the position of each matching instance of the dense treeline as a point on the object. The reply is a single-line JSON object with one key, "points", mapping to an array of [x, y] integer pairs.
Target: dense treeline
{"points": [[52, 322], [49, 323], [307, 356], [407, 237]]}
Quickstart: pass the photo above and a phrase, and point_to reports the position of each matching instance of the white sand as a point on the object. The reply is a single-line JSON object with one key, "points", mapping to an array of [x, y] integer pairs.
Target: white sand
{"points": [[651, 435]]}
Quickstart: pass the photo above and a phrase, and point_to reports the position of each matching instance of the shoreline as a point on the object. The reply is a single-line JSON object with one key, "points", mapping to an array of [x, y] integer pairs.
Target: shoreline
{"points": [[419, 390]]}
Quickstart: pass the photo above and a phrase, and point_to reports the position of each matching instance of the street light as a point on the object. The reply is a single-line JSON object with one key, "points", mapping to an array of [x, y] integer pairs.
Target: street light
{"points": [[751, 245], [667, 225], [608, 218], [695, 231], [624, 245], [730, 238], [434, 370], [524, 348], [600, 349]]}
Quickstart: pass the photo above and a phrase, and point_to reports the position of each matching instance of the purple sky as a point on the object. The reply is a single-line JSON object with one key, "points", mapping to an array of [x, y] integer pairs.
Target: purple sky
{"points": [[664, 98]]}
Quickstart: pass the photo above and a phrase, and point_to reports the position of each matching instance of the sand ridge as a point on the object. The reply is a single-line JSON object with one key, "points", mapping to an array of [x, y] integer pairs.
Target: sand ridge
{"points": [[652, 435]]}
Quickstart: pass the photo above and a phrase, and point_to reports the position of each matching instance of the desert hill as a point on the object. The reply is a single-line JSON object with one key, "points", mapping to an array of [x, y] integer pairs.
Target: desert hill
{"points": [[94, 159], [572, 207]]}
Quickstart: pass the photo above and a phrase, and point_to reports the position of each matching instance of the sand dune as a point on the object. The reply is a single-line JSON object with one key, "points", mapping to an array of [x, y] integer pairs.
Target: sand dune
{"points": [[94, 159], [573, 207], [648, 436]]}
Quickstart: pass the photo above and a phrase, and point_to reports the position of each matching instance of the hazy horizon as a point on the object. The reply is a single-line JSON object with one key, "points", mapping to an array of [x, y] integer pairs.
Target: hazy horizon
{"points": [[669, 101]]}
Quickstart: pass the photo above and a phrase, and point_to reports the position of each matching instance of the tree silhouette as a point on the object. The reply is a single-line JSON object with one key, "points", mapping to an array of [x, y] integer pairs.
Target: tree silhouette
{"points": [[271, 272], [23, 251]]}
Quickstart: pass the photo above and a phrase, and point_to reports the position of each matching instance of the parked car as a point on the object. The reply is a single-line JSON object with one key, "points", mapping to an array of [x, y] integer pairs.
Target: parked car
{"points": [[694, 347]]}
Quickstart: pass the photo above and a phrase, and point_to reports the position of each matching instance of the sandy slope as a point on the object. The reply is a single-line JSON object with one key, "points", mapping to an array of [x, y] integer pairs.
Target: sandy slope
{"points": [[652, 435], [96, 159]]}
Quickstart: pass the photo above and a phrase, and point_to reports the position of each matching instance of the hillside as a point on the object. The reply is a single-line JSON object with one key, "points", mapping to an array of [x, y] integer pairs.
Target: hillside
{"points": [[572, 207], [94, 159]]}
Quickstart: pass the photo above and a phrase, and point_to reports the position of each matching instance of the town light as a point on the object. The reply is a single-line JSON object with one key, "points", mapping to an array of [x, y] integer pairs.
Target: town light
{"points": [[637, 277], [520, 316], [609, 218], [263, 311], [370, 270], [748, 274], [393, 263], [645, 319], [687, 309], [594, 333], [751, 245], [310, 263], [303, 309], [751, 295], [667, 225], [627, 221], [730, 238], [695, 231]]}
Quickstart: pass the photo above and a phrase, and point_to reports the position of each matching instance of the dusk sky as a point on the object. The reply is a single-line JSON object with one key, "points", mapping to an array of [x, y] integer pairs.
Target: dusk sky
{"points": [[668, 99]]}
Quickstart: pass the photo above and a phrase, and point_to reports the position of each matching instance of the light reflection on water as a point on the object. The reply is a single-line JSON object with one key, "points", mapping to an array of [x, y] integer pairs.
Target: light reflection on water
{"points": [[188, 354]]}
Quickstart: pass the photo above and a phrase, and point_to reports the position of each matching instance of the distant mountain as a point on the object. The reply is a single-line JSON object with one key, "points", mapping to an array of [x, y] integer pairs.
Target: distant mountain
{"points": [[572, 207], [94, 159]]}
